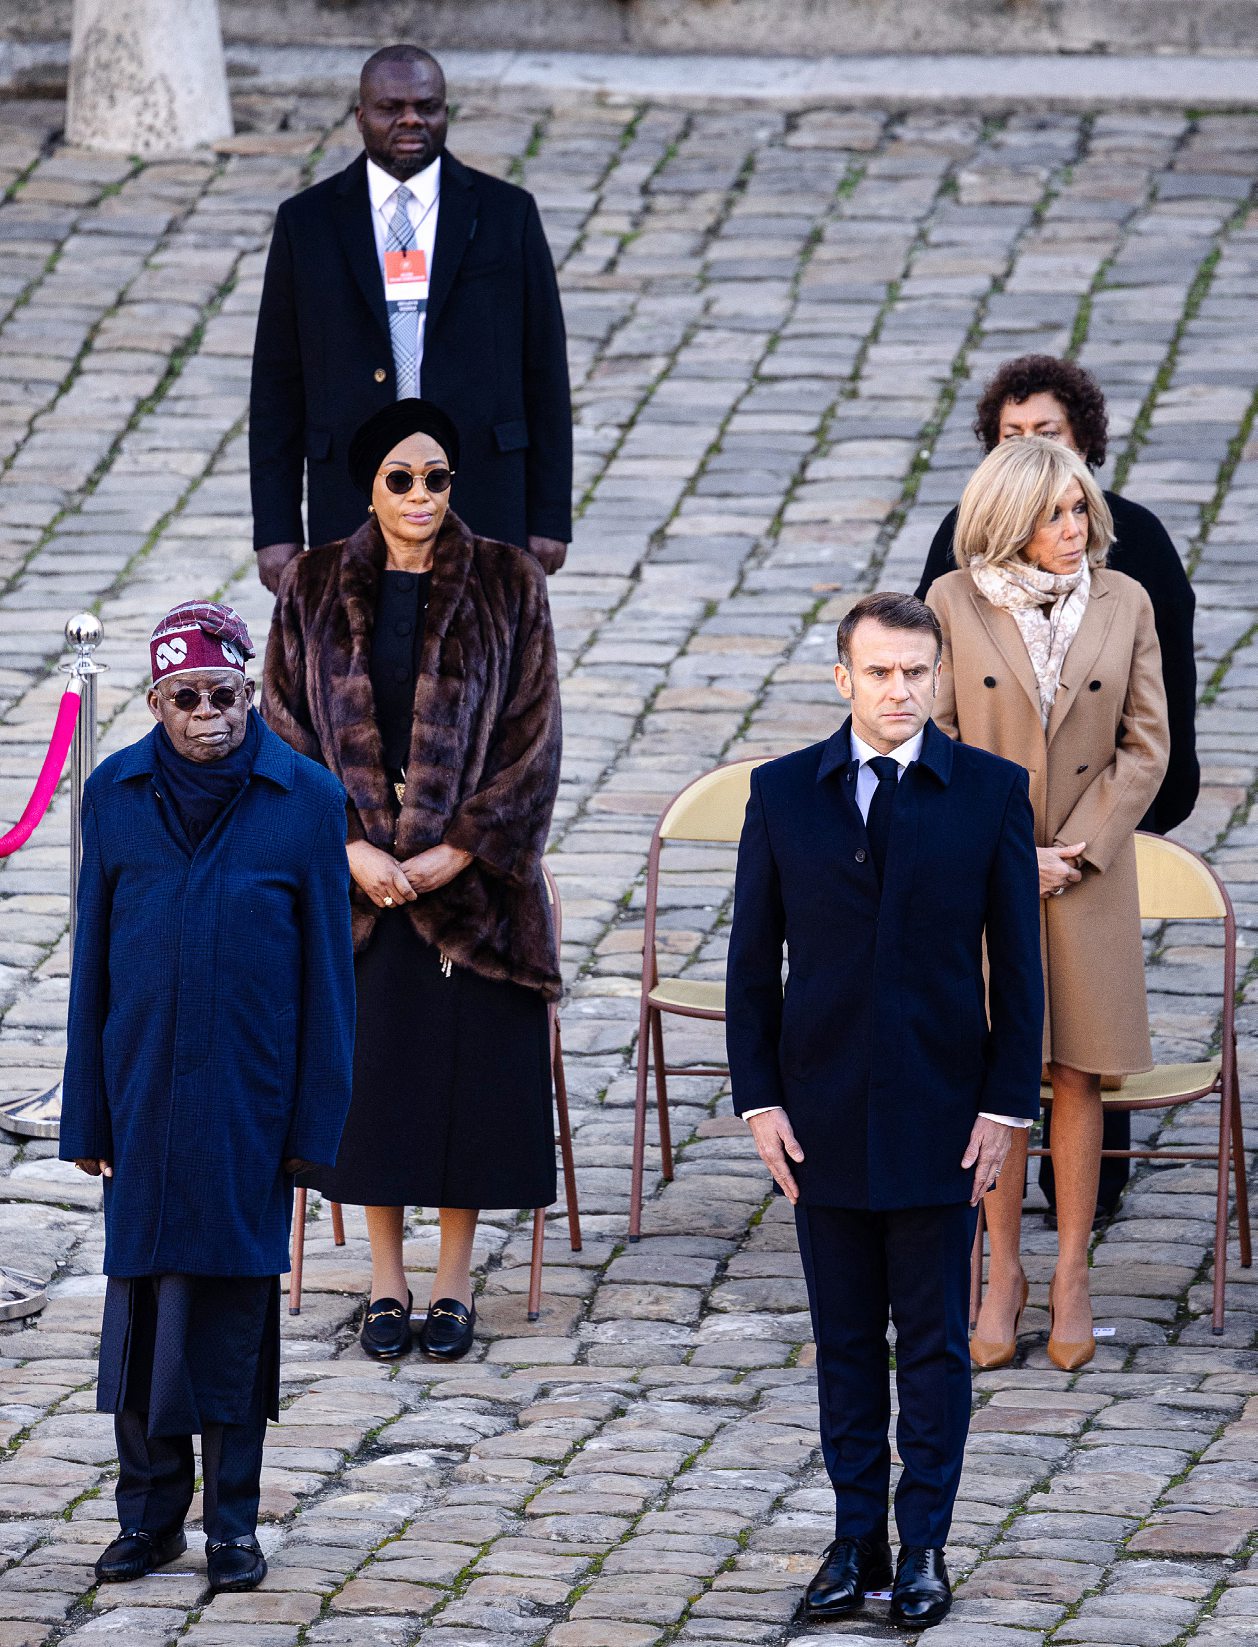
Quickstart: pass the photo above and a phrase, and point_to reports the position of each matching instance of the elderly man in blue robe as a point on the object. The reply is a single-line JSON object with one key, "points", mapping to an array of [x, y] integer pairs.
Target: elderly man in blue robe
{"points": [[210, 1053]]}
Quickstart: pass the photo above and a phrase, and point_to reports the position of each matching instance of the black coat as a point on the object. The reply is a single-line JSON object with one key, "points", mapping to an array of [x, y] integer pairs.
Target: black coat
{"points": [[880, 1050], [494, 358], [1144, 551]]}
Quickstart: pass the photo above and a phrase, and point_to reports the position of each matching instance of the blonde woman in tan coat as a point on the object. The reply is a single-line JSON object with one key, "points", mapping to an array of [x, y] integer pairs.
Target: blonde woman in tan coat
{"points": [[1052, 661]]}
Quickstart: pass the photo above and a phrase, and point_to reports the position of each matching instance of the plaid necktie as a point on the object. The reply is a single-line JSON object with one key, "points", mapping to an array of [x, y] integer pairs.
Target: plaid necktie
{"points": [[403, 317]]}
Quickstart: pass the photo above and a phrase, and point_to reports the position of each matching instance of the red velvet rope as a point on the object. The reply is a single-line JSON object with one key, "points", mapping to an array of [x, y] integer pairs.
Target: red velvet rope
{"points": [[49, 774]]}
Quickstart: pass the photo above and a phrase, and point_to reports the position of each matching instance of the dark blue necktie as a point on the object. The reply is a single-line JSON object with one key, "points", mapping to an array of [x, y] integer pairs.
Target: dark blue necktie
{"points": [[878, 823]]}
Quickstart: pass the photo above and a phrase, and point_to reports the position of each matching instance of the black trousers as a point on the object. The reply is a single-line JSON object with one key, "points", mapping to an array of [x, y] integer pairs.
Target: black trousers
{"points": [[912, 1267], [156, 1477], [1115, 1134], [180, 1356]]}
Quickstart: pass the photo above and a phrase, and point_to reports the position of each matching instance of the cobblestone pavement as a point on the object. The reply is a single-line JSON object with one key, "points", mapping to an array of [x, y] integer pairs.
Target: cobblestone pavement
{"points": [[777, 321]]}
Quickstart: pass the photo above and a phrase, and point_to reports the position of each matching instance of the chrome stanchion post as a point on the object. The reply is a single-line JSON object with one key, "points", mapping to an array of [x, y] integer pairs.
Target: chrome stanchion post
{"points": [[40, 1117], [84, 634]]}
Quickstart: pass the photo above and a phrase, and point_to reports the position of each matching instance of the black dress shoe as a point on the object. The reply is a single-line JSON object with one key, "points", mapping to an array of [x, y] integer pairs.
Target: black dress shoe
{"points": [[446, 1334], [850, 1567], [236, 1564], [133, 1553], [921, 1594], [386, 1330]]}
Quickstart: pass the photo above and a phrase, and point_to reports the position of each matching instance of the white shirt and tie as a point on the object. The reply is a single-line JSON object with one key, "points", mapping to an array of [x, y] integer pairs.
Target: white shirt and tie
{"points": [[420, 202], [903, 755]]}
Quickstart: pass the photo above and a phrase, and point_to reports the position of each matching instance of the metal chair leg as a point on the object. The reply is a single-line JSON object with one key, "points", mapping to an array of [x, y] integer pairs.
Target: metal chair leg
{"points": [[1221, 1209], [338, 1224], [661, 1097], [976, 1268], [299, 1251], [637, 1171], [1242, 1188], [565, 1146], [535, 1266]]}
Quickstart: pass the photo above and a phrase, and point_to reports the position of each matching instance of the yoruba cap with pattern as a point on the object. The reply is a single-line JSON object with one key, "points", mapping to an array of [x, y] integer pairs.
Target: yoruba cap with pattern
{"points": [[199, 634]]}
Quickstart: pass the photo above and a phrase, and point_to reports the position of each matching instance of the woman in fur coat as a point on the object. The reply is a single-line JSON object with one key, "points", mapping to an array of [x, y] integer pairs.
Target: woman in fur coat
{"points": [[417, 662]]}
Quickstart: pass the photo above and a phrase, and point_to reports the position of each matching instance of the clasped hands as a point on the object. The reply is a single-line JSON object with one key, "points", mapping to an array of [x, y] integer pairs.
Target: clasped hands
{"points": [[777, 1145], [388, 882], [1059, 867]]}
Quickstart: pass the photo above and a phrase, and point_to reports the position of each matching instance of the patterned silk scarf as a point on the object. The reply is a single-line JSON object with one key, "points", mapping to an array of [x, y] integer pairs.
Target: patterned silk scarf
{"points": [[1047, 609]]}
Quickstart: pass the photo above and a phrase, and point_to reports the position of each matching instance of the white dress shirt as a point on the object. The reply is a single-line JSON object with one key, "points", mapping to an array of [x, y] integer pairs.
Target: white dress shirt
{"points": [[422, 209], [904, 755]]}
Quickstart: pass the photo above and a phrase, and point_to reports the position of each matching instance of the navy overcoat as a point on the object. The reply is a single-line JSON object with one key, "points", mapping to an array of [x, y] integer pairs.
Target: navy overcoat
{"points": [[211, 1024], [881, 1051]]}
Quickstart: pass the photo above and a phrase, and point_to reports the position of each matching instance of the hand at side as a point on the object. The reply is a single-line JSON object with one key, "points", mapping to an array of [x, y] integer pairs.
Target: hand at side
{"points": [[986, 1151], [775, 1140]]}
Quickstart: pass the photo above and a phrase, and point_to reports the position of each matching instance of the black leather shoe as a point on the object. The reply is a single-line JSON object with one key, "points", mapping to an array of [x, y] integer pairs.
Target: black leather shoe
{"points": [[386, 1330], [446, 1334], [850, 1567], [133, 1553], [236, 1564], [921, 1594]]}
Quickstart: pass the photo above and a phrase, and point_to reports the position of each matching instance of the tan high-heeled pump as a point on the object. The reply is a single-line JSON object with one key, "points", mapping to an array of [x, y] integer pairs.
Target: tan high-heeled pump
{"points": [[1069, 1357], [987, 1355]]}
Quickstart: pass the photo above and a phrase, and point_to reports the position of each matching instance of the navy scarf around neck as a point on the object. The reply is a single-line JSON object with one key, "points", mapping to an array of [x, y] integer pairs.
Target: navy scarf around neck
{"points": [[198, 791]]}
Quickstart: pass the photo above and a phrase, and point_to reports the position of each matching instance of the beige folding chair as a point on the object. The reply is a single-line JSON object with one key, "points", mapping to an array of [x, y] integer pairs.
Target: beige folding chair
{"points": [[564, 1141], [711, 809], [1178, 885]]}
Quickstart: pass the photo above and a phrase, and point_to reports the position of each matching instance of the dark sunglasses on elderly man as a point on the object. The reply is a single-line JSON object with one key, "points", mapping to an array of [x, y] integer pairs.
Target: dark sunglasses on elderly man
{"points": [[400, 481], [187, 698]]}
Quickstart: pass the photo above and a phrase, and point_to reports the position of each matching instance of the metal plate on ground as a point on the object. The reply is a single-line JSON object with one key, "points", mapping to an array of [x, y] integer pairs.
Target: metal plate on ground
{"points": [[20, 1294], [36, 1117]]}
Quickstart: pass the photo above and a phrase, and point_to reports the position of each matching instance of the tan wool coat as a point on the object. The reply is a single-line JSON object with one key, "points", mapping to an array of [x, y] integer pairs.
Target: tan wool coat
{"points": [[1093, 776]]}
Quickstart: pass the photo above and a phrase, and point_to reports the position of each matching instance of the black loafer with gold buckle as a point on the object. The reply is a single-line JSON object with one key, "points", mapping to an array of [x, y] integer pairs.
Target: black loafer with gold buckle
{"points": [[386, 1330], [446, 1334]]}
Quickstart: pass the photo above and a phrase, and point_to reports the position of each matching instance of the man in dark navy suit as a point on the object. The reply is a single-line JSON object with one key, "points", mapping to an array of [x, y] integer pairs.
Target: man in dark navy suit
{"points": [[882, 1088], [409, 274]]}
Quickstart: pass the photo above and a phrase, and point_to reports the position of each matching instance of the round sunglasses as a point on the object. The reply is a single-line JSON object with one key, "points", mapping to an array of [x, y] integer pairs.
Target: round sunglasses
{"points": [[187, 698], [400, 481]]}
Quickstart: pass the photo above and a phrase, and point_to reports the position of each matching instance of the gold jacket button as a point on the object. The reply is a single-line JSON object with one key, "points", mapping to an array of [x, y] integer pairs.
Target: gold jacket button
{"points": [[380, 374]]}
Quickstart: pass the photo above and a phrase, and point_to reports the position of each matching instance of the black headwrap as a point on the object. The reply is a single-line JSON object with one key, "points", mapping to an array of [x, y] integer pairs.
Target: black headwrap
{"points": [[385, 429]]}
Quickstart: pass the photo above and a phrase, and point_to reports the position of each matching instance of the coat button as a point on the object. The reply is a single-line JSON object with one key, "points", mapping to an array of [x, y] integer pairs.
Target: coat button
{"points": [[1079, 770], [861, 854], [380, 374], [1094, 686], [989, 680]]}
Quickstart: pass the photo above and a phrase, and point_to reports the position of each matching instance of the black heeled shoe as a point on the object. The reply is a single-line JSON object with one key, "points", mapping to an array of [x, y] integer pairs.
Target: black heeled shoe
{"points": [[921, 1595], [849, 1568], [235, 1564], [133, 1554], [386, 1330], [448, 1328]]}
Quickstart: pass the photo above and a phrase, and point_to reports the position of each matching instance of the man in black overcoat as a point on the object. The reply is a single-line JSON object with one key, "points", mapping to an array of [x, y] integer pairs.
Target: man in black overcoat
{"points": [[882, 1086], [409, 274]]}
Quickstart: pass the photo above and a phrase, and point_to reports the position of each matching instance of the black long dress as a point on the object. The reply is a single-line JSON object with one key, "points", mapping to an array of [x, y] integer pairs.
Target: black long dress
{"points": [[452, 1081]]}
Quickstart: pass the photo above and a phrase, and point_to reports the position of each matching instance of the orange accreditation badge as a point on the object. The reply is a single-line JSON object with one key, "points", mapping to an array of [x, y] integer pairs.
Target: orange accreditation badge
{"points": [[406, 277]]}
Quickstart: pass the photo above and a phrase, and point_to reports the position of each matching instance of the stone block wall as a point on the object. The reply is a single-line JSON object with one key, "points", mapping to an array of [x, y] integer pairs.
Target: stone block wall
{"points": [[803, 27]]}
